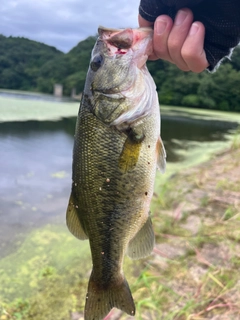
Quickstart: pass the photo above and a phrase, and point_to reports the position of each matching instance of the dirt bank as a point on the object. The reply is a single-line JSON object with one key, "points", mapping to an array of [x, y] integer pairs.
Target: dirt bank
{"points": [[197, 256]]}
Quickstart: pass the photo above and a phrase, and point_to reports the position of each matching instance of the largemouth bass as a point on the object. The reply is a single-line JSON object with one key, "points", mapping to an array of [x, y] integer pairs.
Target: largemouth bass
{"points": [[117, 148]]}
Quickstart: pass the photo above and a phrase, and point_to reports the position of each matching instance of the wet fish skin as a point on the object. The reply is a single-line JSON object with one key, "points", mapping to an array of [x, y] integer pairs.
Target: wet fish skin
{"points": [[116, 151]]}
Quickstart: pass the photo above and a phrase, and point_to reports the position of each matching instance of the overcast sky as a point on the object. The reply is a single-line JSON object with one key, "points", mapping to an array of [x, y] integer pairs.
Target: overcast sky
{"points": [[63, 23]]}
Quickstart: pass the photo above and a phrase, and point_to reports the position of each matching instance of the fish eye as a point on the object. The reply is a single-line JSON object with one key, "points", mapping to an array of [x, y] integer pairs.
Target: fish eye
{"points": [[96, 62]]}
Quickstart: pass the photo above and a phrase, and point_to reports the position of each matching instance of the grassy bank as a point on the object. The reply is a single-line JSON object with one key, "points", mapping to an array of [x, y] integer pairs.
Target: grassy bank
{"points": [[194, 273], [15, 109]]}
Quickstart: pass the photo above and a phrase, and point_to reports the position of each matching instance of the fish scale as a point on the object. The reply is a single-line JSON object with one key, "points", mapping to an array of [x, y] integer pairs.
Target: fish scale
{"points": [[114, 167]]}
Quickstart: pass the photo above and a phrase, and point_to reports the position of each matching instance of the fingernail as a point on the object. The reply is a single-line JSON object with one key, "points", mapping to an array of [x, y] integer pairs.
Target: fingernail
{"points": [[181, 16], [194, 29], [161, 25]]}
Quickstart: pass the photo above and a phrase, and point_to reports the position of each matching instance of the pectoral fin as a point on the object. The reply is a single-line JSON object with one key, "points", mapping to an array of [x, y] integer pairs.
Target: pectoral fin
{"points": [[73, 222], [161, 156], [129, 155], [142, 244]]}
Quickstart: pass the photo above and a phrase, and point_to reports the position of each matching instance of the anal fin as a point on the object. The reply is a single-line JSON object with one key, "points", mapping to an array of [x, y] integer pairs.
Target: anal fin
{"points": [[73, 223], [142, 244]]}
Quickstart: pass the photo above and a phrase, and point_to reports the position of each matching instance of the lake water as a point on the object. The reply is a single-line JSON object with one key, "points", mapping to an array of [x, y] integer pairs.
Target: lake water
{"points": [[35, 168]]}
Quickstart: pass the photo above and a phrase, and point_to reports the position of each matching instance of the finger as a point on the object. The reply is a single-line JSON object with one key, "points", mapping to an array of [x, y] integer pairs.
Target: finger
{"points": [[192, 50], [178, 35], [162, 28], [144, 23]]}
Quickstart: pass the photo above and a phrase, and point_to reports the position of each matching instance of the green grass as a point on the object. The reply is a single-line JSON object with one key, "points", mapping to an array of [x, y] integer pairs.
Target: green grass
{"points": [[194, 276], [45, 253], [15, 109], [191, 286], [236, 139], [202, 113]]}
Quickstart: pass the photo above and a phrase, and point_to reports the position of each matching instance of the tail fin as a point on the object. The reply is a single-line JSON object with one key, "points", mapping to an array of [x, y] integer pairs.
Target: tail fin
{"points": [[100, 300]]}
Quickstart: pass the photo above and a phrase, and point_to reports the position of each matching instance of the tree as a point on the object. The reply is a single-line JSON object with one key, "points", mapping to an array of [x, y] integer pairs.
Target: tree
{"points": [[29, 65]]}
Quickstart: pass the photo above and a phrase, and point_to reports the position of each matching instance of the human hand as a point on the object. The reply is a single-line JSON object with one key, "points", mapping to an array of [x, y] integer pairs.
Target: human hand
{"points": [[180, 42]]}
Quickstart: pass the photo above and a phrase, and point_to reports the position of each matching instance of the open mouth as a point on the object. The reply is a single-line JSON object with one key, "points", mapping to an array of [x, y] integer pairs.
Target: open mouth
{"points": [[118, 41]]}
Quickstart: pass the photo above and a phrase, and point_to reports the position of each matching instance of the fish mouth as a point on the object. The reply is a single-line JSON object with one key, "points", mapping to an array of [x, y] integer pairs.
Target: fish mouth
{"points": [[120, 41], [102, 30]]}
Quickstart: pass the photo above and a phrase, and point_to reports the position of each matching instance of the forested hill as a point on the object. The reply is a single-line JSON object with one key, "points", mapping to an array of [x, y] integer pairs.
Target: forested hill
{"points": [[69, 69], [21, 60], [219, 90], [34, 66], [29, 65]]}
